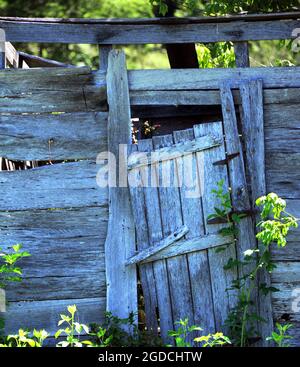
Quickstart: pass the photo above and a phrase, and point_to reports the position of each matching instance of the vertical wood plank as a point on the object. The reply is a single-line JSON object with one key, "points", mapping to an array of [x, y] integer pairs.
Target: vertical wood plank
{"points": [[140, 218], [180, 290], [253, 133], [120, 242], [193, 217], [155, 232], [246, 238], [241, 50], [103, 57], [221, 279]]}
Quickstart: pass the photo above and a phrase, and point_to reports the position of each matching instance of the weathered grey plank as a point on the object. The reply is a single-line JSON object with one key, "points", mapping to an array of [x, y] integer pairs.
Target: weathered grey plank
{"points": [[143, 32], [275, 77], [103, 59], [253, 136], [52, 90], [192, 212], [12, 55], [53, 137], [120, 242], [54, 186], [181, 149], [207, 97], [283, 174], [282, 127], [142, 241], [62, 287], [181, 298], [155, 232], [45, 314], [190, 246], [286, 299], [221, 280], [153, 250], [241, 51], [286, 271]]}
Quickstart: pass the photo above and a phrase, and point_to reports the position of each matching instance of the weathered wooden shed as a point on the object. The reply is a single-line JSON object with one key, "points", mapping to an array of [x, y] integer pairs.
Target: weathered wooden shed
{"points": [[81, 235]]}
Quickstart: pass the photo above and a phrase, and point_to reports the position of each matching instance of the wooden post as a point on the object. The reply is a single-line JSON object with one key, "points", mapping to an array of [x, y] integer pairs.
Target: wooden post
{"points": [[253, 132], [103, 57], [120, 241], [241, 50]]}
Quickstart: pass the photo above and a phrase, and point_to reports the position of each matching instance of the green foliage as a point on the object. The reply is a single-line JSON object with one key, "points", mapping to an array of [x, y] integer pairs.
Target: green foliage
{"points": [[281, 337], [183, 333], [72, 330], [9, 272], [274, 227], [26, 339]]}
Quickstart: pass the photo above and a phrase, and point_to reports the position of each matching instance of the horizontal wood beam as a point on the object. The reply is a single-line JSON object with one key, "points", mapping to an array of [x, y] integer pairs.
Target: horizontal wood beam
{"points": [[186, 30], [150, 251], [80, 135], [189, 79], [40, 62], [191, 245]]}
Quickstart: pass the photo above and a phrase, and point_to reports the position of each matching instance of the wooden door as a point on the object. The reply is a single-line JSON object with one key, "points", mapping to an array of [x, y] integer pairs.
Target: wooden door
{"points": [[180, 253]]}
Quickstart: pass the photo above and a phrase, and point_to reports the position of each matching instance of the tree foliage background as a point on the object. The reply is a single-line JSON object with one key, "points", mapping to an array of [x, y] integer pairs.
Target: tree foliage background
{"points": [[263, 53]]}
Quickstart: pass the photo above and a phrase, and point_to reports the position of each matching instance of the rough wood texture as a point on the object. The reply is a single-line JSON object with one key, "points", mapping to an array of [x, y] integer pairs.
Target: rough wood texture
{"points": [[161, 298], [142, 31], [103, 60], [150, 251], [120, 242], [53, 137], [171, 215], [241, 51], [207, 97], [253, 137], [61, 185], [181, 149], [12, 55], [147, 80], [283, 174], [221, 280], [34, 61], [246, 238], [46, 313], [52, 90]]}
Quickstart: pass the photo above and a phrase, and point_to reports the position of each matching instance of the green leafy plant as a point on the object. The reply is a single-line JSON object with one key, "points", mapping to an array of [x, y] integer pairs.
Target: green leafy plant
{"points": [[182, 335], [9, 272], [26, 339], [281, 337], [72, 330], [273, 228]]}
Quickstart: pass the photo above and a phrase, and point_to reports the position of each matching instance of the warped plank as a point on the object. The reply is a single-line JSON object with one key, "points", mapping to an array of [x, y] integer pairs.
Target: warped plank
{"points": [[45, 314], [171, 215], [52, 90], [275, 77], [151, 251], [173, 151], [53, 136], [155, 233], [221, 280], [146, 272], [198, 266], [54, 186], [108, 32], [206, 97], [34, 61], [283, 174], [190, 245], [120, 241]]}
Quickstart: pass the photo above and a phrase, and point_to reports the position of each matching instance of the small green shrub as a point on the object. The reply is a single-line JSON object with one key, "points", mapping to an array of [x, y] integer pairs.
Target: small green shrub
{"points": [[281, 337]]}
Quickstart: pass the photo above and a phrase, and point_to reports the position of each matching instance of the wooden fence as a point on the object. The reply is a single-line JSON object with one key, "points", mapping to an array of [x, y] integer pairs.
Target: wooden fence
{"points": [[60, 214]]}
